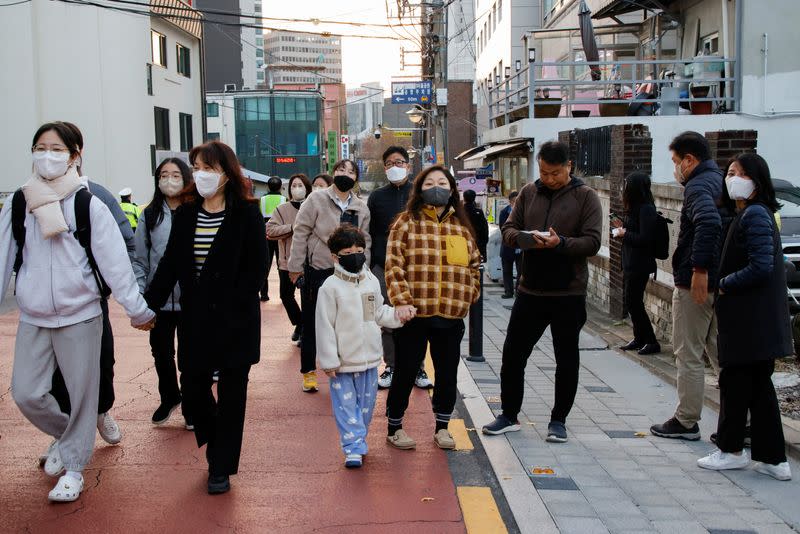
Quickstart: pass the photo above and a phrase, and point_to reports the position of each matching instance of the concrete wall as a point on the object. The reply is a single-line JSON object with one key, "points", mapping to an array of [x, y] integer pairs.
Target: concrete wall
{"points": [[223, 48], [772, 135], [100, 85]]}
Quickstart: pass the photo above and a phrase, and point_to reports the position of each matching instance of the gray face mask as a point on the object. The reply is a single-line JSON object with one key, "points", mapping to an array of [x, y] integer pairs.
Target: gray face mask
{"points": [[436, 196]]}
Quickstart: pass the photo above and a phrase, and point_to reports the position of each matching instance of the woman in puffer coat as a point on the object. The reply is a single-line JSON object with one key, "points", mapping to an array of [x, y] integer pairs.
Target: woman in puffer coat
{"points": [[753, 318]]}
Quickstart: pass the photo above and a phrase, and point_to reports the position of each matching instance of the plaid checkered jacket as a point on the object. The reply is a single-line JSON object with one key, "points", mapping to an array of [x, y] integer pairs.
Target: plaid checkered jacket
{"points": [[432, 265]]}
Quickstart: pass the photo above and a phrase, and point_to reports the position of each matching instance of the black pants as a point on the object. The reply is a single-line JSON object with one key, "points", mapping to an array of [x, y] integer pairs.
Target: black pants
{"points": [[635, 286], [530, 316], [162, 345], [59, 389], [313, 279], [411, 341], [288, 300], [219, 423], [749, 387], [272, 252], [508, 273]]}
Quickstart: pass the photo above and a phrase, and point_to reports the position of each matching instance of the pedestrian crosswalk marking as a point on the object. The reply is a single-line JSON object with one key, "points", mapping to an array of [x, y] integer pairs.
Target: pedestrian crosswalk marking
{"points": [[479, 508]]}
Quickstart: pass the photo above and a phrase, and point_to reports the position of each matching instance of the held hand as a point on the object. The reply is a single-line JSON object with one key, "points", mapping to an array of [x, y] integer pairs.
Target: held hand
{"points": [[146, 327], [548, 242], [405, 313], [616, 223], [699, 287], [294, 276], [331, 374]]}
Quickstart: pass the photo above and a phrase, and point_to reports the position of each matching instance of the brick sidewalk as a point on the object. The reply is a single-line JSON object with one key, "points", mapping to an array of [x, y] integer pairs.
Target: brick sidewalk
{"points": [[612, 475]]}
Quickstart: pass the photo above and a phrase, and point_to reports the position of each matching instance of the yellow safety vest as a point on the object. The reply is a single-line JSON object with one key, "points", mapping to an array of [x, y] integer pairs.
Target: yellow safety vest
{"points": [[269, 202], [132, 212]]}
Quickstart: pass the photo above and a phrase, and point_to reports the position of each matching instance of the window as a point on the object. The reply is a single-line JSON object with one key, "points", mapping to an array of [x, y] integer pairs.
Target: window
{"points": [[159, 48], [162, 128], [709, 44], [185, 121], [494, 17], [260, 75], [149, 79], [499, 10], [490, 26], [184, 60], [212, 109], [212, 136]]}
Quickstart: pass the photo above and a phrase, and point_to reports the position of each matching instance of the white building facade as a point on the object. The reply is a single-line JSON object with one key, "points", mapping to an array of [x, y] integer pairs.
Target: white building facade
{"points": [[141, 95], [299, 58]]}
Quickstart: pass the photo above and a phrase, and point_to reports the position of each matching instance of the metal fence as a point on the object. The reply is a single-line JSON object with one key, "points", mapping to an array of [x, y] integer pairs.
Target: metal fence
{"points": [[593, 151]]}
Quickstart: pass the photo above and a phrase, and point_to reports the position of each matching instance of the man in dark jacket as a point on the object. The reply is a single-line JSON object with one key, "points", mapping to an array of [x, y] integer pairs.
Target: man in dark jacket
{"points": [[384, 204], [557, 223], [694, 267], [478, 221], [509, 256]]}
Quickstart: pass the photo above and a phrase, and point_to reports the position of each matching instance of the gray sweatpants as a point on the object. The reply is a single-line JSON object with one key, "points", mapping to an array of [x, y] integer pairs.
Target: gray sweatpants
{"points": [[76, 351]]}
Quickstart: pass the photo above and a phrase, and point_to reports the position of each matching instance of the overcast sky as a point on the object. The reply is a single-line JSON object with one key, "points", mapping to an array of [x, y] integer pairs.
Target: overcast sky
{"points": [[363, 60]]}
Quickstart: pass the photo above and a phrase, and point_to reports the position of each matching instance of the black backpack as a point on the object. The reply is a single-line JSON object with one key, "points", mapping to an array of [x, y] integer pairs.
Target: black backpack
{"points": [[661, 241], [83, 233]]}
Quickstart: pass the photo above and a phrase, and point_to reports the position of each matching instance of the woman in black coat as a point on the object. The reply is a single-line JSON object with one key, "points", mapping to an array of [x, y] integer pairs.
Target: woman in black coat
{"points": [[217, 253], [753, 320], [638, 233]]}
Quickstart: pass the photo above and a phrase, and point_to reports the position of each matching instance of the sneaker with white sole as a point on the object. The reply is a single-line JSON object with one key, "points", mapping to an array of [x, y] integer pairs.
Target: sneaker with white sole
{"points": [[67, 489], [385, 380], [780, 471], [353, 461], [108, 429], [720, 461], [54, 466], [501, 425], [556, 432], [422, 381], [43, 457]]}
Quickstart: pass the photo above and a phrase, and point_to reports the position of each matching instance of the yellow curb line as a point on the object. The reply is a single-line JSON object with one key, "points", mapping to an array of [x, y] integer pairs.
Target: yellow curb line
{"points": [[458, 430], [481, 515]]}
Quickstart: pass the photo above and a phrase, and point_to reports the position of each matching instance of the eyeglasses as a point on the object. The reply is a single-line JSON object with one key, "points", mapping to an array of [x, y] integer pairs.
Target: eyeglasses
{"points": [[58, 149], [395, 163]]}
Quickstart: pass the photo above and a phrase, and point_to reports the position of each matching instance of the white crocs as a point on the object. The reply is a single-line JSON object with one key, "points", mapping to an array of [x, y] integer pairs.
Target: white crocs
{"points": [[53, 466], [67, 489]]}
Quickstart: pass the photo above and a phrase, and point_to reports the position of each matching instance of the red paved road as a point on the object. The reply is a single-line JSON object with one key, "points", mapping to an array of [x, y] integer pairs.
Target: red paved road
{"points": [[291, 476]]}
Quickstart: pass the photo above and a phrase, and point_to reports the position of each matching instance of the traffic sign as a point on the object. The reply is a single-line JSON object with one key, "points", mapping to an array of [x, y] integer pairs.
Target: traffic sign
{"points": [[345, 140], [412, 92]]}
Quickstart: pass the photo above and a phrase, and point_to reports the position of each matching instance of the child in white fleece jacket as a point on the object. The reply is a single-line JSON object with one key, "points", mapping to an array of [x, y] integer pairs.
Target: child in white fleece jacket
{"points": [[349, 315]]}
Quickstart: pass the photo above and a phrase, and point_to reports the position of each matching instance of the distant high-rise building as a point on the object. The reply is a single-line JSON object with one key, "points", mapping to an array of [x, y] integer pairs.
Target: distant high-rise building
{"points": [[234, 55], [293, 58]]}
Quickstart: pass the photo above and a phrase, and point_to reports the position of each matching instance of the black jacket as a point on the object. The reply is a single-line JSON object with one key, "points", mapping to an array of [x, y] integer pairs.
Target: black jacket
{"points": [[385, 203], [481, 226], [220, 306], [699, 238], [752, 309], [638, 245], [506, 252]]}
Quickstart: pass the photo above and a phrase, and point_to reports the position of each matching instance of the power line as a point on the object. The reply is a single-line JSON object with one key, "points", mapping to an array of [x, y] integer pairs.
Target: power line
{"points": [[15, 3]]}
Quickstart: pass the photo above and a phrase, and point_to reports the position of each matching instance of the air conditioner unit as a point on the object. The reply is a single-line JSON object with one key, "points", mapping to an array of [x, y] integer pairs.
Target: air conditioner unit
{"points": [[230, 87]]}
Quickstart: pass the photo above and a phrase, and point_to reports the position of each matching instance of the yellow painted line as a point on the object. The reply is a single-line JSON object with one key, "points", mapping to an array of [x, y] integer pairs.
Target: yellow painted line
{"points": [[459, 432], [429, 369], [481, 515]]}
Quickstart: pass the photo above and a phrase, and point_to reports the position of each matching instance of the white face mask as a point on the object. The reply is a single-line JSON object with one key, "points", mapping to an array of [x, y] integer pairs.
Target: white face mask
{"points": [[170, 186], [396, 174], [298, 193], [50, 165], [208, 183], [739, 188]]}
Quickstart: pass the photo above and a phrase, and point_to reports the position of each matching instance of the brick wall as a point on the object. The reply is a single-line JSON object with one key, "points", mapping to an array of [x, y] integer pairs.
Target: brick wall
{"points": [[726, 144], [461, 131]]}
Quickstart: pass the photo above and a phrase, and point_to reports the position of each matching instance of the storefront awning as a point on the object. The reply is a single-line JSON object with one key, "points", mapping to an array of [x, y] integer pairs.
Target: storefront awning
{"points": [[487, 154], [615, 8]]}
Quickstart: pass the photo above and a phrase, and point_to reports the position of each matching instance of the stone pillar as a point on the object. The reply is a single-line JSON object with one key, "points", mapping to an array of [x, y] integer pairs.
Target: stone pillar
{"points": [[725, 144], [631, 150]]}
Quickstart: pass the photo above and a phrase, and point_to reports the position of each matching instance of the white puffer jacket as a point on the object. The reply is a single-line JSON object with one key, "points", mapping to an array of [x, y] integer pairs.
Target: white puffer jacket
{"points": [[55, 286], [349, 316]]}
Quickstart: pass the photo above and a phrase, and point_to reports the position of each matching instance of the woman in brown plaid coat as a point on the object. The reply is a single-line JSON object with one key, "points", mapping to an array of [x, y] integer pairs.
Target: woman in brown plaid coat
{"points": [[432, 263]]}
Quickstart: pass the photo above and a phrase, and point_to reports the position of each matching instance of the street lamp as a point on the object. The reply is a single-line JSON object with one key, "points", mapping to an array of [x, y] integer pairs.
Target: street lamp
{"points": [[518, 65], [508, 72], [531, 55], [415, 114], [412, 153]]}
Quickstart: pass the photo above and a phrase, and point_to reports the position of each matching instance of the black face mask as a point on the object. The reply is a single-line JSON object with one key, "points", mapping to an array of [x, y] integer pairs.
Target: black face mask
{"points": [[436, 196], [343, 183], [352, 263]]}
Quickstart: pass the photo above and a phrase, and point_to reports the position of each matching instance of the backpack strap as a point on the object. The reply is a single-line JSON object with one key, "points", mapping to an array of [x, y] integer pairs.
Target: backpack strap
{"points": [[83, 234], [18, 207]]}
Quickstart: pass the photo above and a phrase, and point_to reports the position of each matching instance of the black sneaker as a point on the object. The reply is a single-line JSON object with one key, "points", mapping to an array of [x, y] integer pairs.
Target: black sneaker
{"points": [[422, 381], [632, 345], [188, 422], [556, 432], [215, 376], [507, 296], [673, 429], [650, 348], [385, 380], [218, 484], [297, 331], [501, 425], [163, 413]]}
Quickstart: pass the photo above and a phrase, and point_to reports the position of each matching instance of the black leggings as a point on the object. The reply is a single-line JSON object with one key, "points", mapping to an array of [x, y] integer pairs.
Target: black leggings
{"points": [[162, 345], [312, 281], [288, 299], [635, 286], [530, 316]]}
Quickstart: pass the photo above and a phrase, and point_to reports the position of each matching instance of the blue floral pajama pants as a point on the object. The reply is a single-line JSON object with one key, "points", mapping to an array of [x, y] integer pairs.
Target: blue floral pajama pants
{"points": [[353, 399]]}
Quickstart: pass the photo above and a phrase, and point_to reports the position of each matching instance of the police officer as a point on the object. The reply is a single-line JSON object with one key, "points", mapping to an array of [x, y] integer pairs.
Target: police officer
{"points": [[268, 203], [130, 208]]}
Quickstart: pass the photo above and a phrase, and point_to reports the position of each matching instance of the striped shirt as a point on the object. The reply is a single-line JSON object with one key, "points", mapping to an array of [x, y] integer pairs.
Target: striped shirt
{"points": [[207, 227]]}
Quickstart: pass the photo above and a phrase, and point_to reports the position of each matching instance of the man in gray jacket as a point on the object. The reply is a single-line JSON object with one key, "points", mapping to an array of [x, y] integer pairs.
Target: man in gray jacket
{"points": [[557, 223]]}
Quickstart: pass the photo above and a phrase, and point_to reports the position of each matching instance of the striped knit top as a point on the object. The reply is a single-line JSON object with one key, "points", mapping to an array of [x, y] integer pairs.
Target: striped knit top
{"points": [[208, 225]]}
